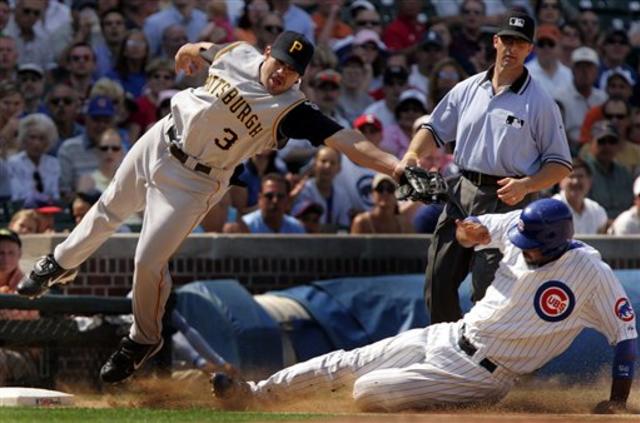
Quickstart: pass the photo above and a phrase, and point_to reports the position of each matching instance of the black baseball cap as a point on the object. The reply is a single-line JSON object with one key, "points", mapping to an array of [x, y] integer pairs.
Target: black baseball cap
{"points": [[518, 24], [9, 235], [293, 49]]}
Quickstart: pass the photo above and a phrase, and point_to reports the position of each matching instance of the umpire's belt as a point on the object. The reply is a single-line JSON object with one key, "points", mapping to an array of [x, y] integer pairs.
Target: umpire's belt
{"points": [[183, 157], [477, 178], [470, 349]]}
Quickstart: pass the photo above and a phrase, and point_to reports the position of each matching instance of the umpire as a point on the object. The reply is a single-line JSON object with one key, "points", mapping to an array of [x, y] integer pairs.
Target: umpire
{"points": [[509, 144]]}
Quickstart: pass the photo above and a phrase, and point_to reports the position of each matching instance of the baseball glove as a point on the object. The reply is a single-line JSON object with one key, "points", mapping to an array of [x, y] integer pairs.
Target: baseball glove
{"points": [[417, 184]]}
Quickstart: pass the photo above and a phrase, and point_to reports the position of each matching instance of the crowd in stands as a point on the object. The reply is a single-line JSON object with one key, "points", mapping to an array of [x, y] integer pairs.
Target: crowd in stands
{"points": [[81, 80]]}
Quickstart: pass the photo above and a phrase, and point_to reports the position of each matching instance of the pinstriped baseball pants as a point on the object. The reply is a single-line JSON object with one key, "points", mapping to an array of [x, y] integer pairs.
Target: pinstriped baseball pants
{"points": [[174, 200], [416, 369]]}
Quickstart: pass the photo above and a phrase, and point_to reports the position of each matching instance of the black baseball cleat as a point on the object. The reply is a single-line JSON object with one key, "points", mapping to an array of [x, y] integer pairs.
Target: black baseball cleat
{"points": [[232, 392], [128, 358], [45, 274]]}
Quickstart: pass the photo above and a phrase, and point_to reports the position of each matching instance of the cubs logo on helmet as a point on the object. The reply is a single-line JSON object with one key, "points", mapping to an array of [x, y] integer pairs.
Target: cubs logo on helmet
{"points": [[554, 301], [623, 310]]}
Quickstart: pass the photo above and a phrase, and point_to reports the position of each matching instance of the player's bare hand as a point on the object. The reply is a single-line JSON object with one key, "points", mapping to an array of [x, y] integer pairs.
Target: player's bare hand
{"points": [[612, 407], [470, 233], [188, 59], [512, 190], [407, 160]]}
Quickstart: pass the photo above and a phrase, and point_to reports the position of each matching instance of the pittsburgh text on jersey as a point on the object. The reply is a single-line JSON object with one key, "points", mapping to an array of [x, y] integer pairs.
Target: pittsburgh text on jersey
{"points": [[230, 96]]}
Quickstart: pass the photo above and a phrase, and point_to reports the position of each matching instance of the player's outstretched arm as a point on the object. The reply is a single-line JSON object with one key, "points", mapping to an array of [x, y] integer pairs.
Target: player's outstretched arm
{"points": [[362, 151], [189, 59], [623, 368]]}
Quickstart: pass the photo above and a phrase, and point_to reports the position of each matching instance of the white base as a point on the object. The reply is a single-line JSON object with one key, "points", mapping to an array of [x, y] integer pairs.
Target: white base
{"points": [[33, 397]]}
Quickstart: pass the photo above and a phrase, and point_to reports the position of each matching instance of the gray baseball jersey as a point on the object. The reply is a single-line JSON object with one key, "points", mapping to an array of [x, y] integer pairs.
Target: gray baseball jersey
{"points": [[232, 116]]}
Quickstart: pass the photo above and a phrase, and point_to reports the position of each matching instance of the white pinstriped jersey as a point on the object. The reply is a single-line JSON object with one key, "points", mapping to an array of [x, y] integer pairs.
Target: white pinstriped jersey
{"points": [[530, 315], [232, 116]]}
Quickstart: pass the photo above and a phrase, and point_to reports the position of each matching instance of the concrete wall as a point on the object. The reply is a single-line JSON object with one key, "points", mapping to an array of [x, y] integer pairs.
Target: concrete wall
{"points": [[265, 262]]}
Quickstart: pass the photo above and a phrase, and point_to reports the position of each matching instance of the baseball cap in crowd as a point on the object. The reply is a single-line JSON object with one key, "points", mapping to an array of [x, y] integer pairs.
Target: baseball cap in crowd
{"points": [[307, 207], [604, 129], [293, 49], [42, 204], [31, 68], [9, 235], [432, 38], [328, 77], [380, 178], [395, 73], [636, 187], [367, 119], [624, 74], [518, 24], [368, 36], [101, 105], [360, 4], [617, 35], [414, 95], [548, 32], [585, 54]]}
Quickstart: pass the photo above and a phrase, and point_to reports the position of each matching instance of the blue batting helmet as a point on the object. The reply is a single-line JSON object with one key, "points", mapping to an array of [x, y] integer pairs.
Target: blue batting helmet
{"points": [[546, 224]]}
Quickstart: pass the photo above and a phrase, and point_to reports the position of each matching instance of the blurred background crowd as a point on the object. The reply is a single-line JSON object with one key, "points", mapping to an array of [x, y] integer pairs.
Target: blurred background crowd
{"points": [[81, 80]]}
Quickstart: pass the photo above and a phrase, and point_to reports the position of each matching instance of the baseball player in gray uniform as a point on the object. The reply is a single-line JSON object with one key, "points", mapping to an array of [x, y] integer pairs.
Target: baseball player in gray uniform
{"points": [[548, 288], [182, 166]]}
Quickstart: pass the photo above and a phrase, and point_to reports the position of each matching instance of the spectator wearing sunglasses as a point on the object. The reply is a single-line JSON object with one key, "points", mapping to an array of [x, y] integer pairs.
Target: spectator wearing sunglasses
{"points": [[615, 51], [33, 172], [618, 112], [267, 30], [411, 105], [33, 47], [110, 154], [63, 104], [612, 182], [628, 222], [161, 76], [271, 216], [546, 67], [365, 16], [444, 76], [383, 218], [80, 66]]}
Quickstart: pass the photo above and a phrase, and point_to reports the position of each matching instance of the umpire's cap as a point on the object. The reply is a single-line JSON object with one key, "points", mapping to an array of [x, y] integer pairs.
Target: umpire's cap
{"points": [[518, 24], [293, 49]]}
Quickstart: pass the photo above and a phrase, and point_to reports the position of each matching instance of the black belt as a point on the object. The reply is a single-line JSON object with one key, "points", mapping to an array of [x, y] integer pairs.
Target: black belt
{"points": [[470, 349], [477, 178], [182, 156]]}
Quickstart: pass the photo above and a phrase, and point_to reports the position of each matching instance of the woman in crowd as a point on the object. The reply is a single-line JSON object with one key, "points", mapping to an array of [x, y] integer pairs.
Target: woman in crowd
{"points": [[383, 218], [131, 63]]}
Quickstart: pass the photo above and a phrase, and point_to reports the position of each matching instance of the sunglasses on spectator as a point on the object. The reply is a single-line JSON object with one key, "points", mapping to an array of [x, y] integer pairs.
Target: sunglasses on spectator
{"points": [[544, 43], [166, 77], [32, 12], [38, 179], [80, 57], [618, 41], [612, 116], [382, 188], [31, 77], [114, 148], [56, 101], [471, 12], [136, 43], [608, 140], [271, 195], [549, 6], [273, 29], [368, 23]]}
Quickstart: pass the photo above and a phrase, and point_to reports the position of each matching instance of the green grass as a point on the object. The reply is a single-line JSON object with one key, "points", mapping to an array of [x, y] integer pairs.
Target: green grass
{"points": [[138, 415]]}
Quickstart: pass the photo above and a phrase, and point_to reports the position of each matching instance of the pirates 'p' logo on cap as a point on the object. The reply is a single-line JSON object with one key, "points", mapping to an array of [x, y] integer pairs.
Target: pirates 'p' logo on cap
{"points": [[295, 46], [515, 21]]}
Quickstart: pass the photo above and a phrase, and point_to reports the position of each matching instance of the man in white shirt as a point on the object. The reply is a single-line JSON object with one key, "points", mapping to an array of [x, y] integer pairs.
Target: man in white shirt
{"points": [[628, 222], [579, 97], [589, 217], [546, 67]]}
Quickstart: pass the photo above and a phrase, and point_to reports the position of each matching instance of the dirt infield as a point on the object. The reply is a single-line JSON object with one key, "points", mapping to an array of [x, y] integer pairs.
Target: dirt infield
{"points": [[531, 401]]}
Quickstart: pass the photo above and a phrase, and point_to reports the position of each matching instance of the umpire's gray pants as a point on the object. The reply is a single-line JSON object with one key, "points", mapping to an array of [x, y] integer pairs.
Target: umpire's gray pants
{"points": [[176, 199], [448, 263]]}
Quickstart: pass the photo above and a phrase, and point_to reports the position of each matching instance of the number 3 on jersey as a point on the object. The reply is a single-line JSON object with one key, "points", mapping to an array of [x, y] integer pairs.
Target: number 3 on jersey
{"points": [[228, 140]]}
